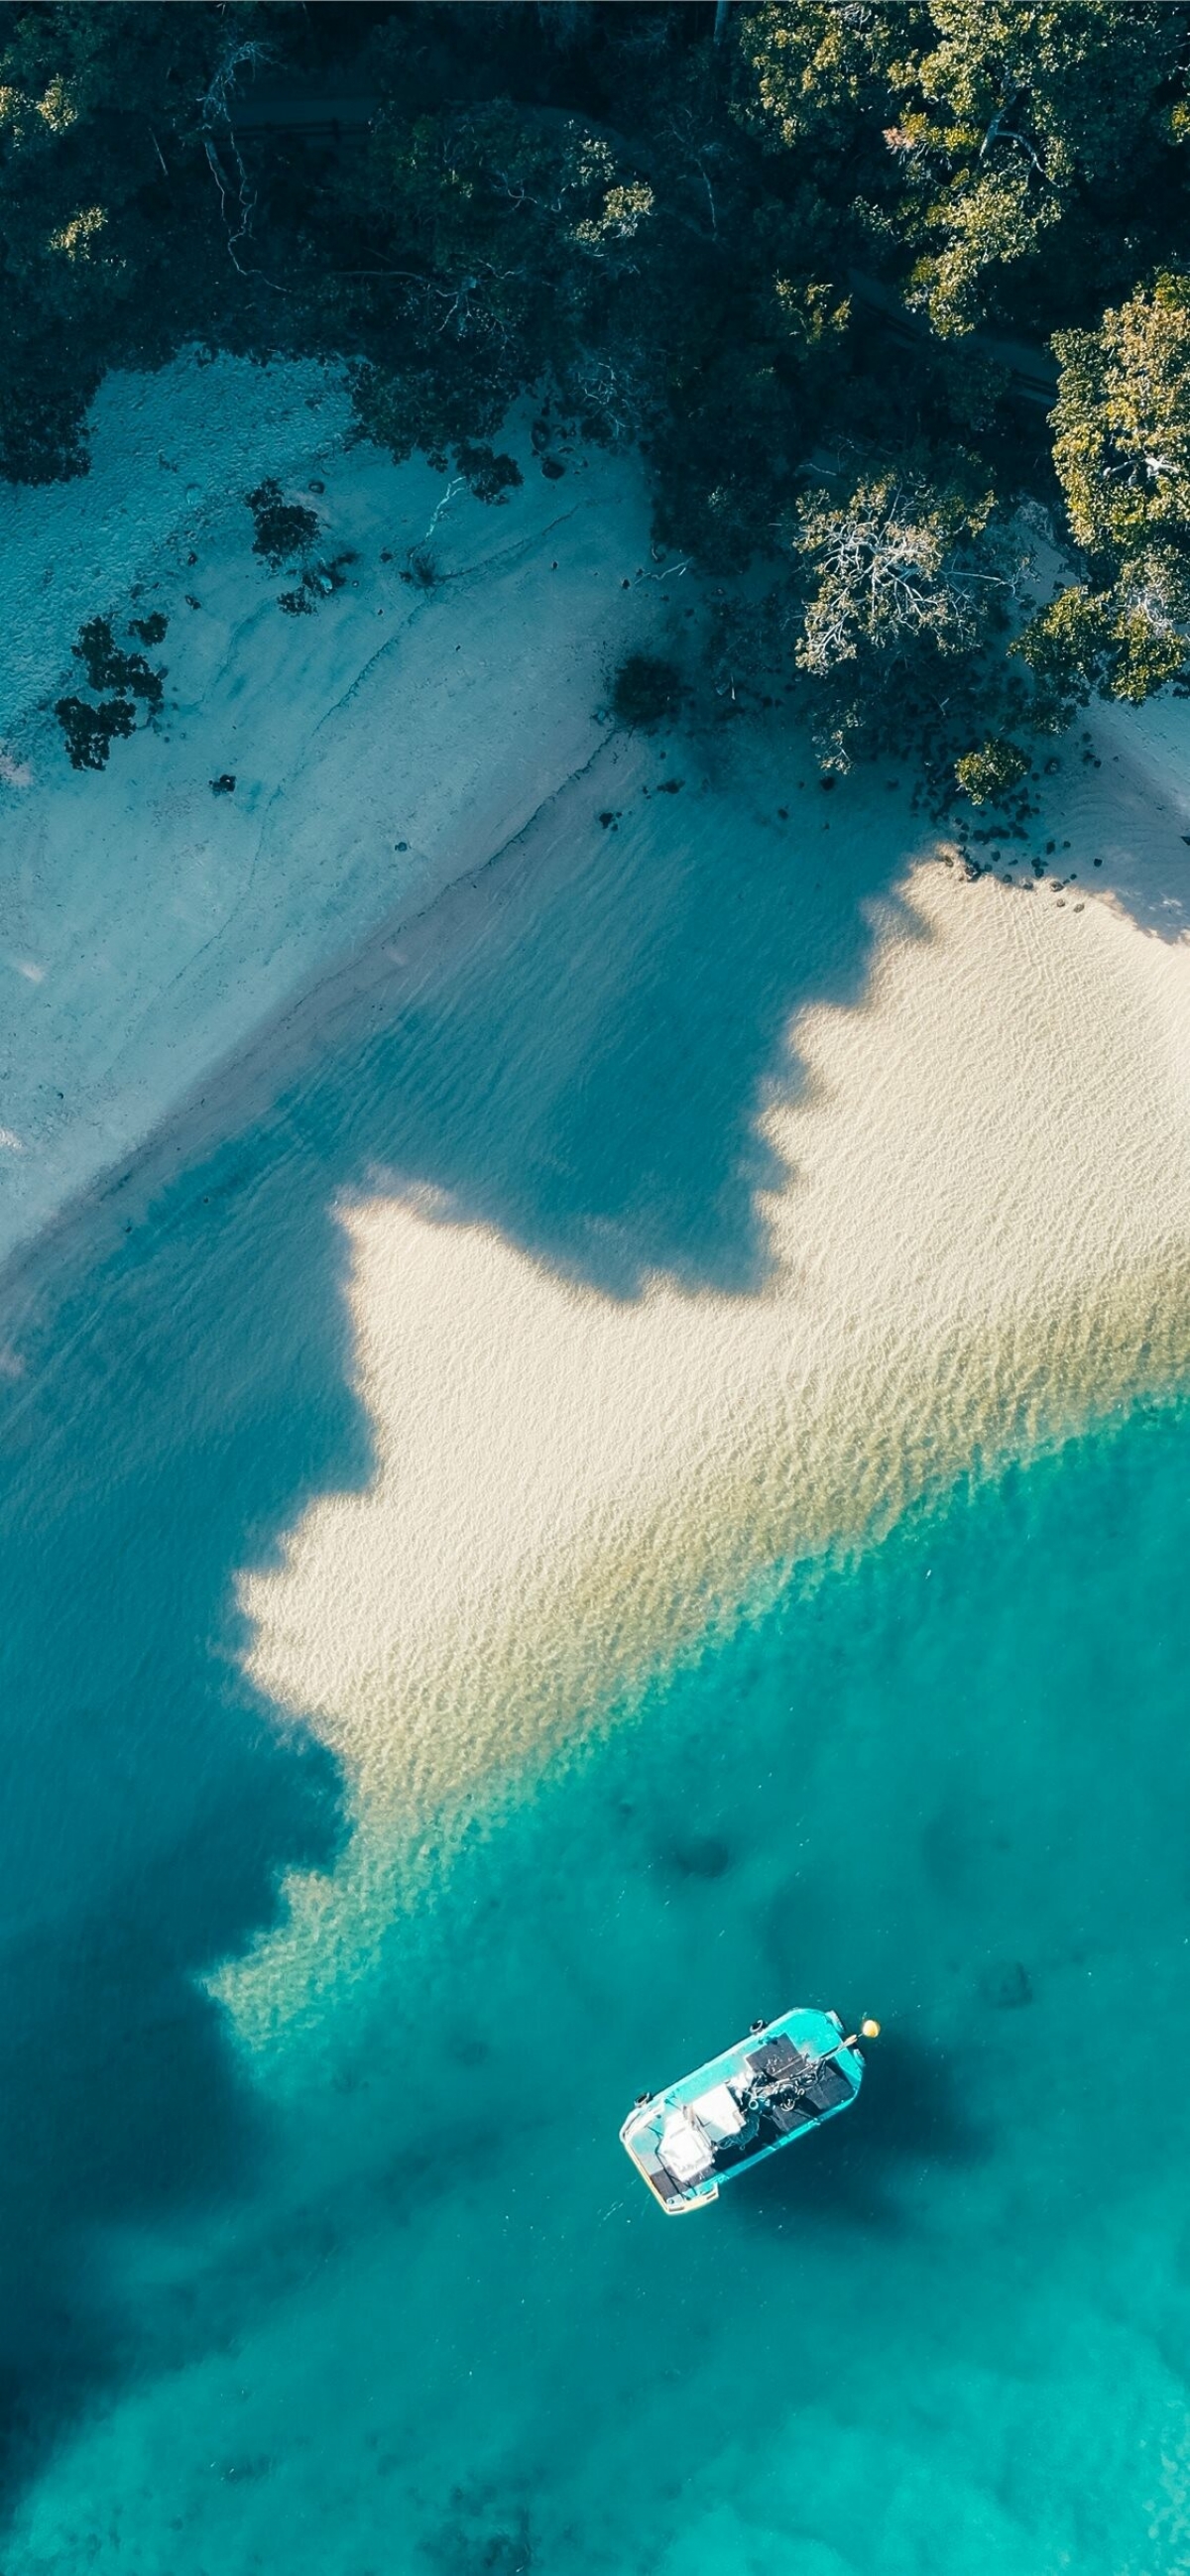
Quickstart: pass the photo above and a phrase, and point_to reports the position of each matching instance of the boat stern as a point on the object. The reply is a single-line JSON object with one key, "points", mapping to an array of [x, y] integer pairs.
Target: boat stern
{"points": [[788, 2076]]}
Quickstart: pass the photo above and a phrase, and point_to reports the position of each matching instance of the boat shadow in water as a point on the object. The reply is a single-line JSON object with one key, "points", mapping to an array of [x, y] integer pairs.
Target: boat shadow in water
{"points": [[872, 2166]]}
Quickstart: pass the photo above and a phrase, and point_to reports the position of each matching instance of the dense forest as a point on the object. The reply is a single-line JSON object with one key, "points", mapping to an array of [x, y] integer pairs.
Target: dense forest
{"points": [[887, 296]]}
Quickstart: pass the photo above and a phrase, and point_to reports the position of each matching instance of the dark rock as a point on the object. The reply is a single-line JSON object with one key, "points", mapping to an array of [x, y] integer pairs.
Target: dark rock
{"points": [[90, 731], [224, 785]]}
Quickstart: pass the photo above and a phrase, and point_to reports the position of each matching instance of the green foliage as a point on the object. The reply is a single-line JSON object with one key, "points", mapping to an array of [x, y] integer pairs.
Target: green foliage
{"points": [[1012, 113], [727, 453], [1088, 643], [93, 103], [901, 575], [1026, 148], [501, 231], [1006, 124], [894, 563], [813, 74], [704, 247], [989, 775], [1122, 427], [645, 690]]}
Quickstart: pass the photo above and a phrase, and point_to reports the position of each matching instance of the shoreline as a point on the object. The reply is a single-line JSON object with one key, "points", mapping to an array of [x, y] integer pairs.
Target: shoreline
{"points": [[382, 746], [241, 1085], [745, 1171], [976, 1244], [323, 938]]}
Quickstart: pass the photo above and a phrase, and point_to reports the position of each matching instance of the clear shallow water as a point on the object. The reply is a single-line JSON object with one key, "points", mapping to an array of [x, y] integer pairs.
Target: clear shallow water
{"points": [[393, 2301], [418, 2313]]}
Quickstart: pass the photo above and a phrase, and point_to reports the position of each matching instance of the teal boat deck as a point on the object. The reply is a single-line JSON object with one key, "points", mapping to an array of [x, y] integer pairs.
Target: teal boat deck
{"points": [[788, 2076]]}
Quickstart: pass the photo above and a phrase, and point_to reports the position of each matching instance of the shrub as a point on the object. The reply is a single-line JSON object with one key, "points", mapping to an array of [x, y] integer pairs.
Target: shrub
{"points": [[988, 775]]}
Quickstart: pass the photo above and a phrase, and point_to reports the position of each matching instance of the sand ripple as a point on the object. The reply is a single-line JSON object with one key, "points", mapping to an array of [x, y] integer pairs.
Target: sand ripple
{"points": [[980, 1242]]}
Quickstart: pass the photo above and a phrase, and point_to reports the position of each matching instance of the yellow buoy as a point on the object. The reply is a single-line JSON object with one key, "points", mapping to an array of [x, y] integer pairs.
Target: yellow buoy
{"points": [[869, 2029]]}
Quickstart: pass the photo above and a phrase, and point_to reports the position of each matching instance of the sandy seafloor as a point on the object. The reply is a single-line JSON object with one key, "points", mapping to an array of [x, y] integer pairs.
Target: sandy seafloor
{"points": [[614, 1459]]}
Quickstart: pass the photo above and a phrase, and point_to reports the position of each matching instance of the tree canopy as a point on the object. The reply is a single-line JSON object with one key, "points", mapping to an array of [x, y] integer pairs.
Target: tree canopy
{"points": [[813, 256]]}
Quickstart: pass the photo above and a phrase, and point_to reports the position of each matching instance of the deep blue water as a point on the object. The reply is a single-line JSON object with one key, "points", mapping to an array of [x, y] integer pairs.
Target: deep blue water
{"points": [[399, 2304]]}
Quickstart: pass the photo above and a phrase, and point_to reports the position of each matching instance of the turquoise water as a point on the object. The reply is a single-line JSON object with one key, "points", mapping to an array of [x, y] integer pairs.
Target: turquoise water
{"points": [[420, 2314], [395, 2300]]}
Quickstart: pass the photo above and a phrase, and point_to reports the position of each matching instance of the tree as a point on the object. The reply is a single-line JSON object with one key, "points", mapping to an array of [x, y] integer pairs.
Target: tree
{"points": [[692, 230], [990, 774], [99, 155], [816, 74], [1122, 428], [896, 564], [1019, 135], [1096, 643], [1122, 456], [903, 576], [1011, 114], [498, 235]]}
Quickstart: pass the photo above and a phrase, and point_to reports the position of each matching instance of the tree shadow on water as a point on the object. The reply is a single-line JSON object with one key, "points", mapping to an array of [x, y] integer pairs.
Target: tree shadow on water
{"points": [[152, 1801], [186, 1390]]}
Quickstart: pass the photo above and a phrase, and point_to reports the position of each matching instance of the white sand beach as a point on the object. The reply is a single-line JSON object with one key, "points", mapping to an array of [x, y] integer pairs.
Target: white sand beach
{"points": [[937, 1214], [976, 1229]]}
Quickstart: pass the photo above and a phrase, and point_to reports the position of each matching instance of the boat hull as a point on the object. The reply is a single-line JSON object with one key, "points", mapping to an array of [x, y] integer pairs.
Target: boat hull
{"points": [[788, 2076]]}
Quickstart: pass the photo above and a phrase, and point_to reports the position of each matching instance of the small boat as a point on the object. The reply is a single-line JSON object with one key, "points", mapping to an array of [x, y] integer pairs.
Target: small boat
{"points": [[788, 2076]]}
